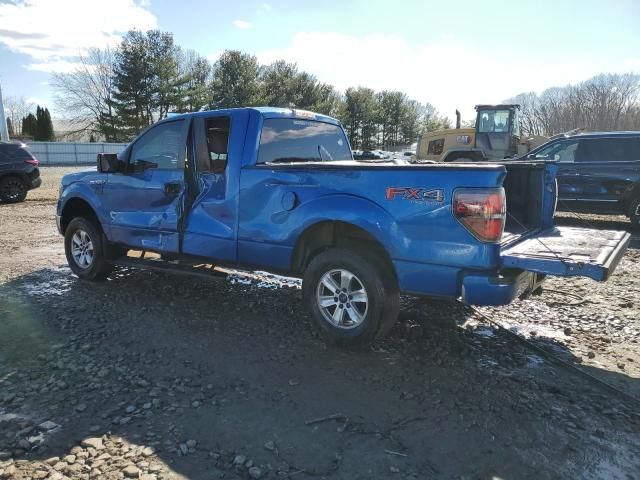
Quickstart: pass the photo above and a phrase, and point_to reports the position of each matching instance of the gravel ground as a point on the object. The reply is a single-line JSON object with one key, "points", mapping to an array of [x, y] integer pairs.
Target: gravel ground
{"points": [[160, 377]]}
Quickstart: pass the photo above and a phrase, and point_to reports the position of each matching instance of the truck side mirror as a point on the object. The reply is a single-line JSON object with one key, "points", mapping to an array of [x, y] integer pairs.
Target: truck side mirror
{"points": [[108, 162]]}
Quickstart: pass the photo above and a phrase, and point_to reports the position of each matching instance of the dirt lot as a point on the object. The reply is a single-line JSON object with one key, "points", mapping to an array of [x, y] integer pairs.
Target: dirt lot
{"points": [[156, 376]]}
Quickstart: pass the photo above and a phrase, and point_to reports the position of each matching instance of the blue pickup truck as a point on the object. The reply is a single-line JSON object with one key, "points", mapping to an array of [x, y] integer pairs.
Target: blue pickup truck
{"points": [[279, 190]]}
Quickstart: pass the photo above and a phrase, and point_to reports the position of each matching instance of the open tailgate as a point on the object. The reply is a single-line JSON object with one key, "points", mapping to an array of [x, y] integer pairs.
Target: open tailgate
{"points": [[568, 251]]}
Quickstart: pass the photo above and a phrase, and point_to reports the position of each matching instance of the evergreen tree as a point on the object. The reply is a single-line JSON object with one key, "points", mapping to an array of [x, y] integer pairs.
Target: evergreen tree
{"points": [[47, 126], [43, 131], [282, 85], [166, 80], [235, 81], [359, 116], [133, 82], [29, 125]]}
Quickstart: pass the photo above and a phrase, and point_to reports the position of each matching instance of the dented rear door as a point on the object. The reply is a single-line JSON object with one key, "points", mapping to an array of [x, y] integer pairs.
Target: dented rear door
{"points": [[569, 251]]}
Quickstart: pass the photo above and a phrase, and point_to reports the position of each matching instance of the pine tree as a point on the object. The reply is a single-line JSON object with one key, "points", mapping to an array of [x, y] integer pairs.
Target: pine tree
{"points": [[133, 82], [235, 81], [44, 127], [29, 124]]}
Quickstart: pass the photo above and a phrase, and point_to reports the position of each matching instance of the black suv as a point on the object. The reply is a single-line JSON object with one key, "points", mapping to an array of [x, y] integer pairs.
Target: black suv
{"points": [[18, 172], [597, 172]]}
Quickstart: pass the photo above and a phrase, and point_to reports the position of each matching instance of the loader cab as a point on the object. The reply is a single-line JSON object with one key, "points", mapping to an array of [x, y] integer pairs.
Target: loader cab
{"points": [[497, 130]]}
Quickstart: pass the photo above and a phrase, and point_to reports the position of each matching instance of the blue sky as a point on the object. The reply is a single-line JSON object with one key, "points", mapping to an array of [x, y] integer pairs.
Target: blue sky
{"points": [[452, 54]]}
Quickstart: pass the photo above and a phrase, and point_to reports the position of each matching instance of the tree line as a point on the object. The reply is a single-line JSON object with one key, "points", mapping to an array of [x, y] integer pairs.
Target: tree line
{"points": [[605, 102], [114, 94], [24, 124]]}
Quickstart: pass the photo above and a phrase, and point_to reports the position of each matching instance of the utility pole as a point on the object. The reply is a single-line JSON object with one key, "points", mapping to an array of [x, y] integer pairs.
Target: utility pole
{"points": [[4, 133]]}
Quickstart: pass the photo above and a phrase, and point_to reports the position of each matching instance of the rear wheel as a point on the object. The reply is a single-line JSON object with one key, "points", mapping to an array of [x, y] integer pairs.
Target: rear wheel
{"points": [[634, 213], [352, 299], [12, 189], [83, 245]]}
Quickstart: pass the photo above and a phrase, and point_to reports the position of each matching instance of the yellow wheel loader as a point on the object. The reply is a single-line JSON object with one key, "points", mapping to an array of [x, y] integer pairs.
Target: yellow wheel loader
{"points": [[495, 136]]}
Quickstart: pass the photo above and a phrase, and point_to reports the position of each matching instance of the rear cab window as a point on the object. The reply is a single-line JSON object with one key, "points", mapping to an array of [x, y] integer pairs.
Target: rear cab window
{"points": [[292, 140]]}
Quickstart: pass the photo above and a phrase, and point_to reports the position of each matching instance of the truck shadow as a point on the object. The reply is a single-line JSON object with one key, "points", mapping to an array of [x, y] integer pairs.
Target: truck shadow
{"points": [[220, 378]]}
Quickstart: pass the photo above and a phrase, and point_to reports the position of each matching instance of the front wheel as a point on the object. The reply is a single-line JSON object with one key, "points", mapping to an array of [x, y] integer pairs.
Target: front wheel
{"points": [[352, 299], [83, 246]]}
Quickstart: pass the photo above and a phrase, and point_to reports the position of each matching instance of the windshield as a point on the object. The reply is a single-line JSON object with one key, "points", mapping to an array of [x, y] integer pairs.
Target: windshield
{"points": [[493, 121], [293, 140]]}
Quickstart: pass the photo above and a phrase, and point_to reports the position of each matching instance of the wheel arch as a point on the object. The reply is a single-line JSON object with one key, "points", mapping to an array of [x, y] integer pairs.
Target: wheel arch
{"points": [[77, 207], [326, 234]]}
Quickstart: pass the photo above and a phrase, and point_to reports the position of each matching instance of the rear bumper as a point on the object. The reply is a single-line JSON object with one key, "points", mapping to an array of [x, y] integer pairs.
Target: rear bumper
{"points": [[474, 287], [501, 289]]}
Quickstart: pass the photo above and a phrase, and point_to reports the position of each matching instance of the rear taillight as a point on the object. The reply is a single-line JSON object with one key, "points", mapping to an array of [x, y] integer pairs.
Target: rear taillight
{"points": [[481, 211], [34, 161]]}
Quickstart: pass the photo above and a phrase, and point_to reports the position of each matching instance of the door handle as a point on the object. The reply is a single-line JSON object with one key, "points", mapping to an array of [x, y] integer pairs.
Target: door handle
{"points": [[172, 188]]}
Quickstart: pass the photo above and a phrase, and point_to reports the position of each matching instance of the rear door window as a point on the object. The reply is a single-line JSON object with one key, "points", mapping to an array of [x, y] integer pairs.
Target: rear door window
{"points": [[608, 150], [288, 140]]}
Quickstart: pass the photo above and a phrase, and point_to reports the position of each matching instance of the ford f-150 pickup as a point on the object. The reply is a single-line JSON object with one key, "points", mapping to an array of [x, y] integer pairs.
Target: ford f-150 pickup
{"points": [[278, 190]]}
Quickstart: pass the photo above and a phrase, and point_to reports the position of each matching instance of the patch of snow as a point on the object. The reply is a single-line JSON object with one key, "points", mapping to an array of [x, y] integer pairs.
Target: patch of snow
{"points": [[56, 281], [262, 279]]}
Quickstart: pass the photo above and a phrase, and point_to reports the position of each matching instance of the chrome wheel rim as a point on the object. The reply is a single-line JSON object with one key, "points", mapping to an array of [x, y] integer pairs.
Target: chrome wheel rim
{"points": [[82, 249], [342, 299]]}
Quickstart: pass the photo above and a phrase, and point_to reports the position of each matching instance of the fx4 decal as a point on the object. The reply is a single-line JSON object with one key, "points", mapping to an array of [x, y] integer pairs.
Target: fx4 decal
{"points": [[416, 194]]}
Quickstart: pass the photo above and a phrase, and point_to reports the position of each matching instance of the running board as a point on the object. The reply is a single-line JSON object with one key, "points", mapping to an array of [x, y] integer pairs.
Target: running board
{"points": [[202, 269]]}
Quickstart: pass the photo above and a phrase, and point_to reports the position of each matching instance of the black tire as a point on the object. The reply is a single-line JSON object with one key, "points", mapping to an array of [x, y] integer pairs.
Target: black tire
{"points": [[382, 295], [12, 189], [634, 213], [98, 268]]}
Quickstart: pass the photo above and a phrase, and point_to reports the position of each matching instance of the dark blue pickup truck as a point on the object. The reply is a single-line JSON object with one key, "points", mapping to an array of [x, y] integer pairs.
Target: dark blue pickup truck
{"points": [[278, 190], [597, 172]]}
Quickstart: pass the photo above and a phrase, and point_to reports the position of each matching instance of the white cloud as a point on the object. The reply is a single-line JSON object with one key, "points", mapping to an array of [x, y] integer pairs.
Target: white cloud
{"points": [[446, 74], [54, 32], [57, 66], [267, 7], [242, 24]]}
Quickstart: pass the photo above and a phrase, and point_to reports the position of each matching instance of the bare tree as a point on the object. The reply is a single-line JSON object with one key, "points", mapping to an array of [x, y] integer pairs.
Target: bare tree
{"points": [[85, 95], [603, 103], [16, 108]]}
